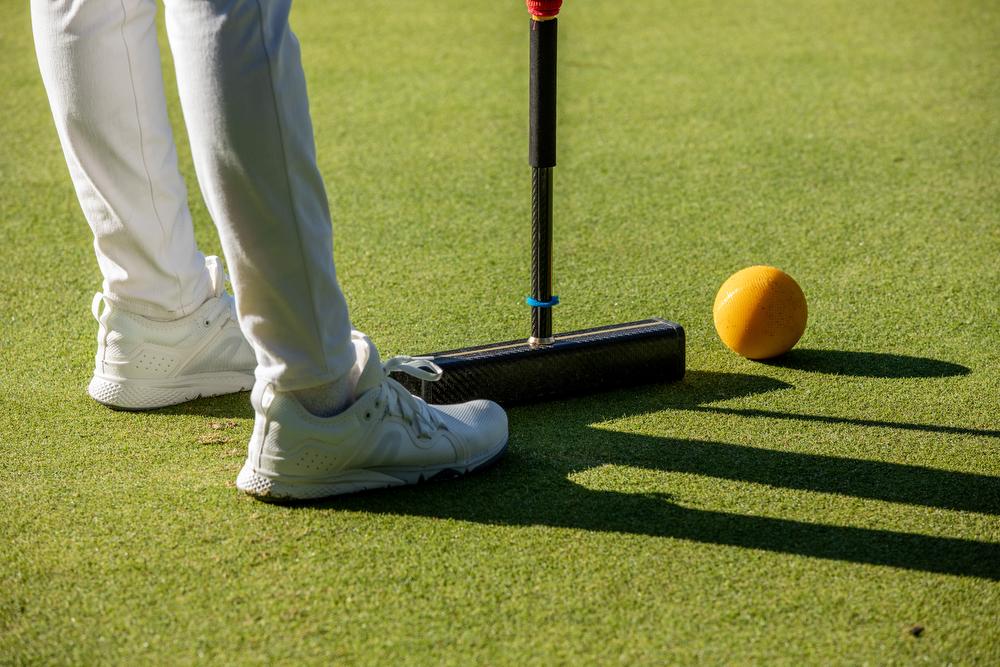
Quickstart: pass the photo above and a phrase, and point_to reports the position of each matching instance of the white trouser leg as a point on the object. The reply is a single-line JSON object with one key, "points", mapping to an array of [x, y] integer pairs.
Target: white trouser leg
{"points": [[244, 98], [101, 67]]}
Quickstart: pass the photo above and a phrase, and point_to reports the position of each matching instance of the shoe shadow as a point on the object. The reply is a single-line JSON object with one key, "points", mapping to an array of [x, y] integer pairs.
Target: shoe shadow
{"points": [[534, 486], [866, 364], [229, 406]]}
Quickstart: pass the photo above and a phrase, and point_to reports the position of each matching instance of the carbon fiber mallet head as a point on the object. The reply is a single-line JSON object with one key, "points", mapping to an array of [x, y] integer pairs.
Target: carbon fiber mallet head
{"points": [[546, 366]]}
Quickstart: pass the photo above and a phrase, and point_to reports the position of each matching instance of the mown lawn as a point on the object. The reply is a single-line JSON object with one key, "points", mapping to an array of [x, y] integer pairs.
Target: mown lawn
{"points": [[811, 510]]}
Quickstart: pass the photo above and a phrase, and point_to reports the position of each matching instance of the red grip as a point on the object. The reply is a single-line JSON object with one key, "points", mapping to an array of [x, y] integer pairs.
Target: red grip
{"points": [[544, 9]]}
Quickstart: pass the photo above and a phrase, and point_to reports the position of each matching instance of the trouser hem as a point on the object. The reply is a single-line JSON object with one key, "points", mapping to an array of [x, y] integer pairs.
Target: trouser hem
{"points": [[153, 312], [293, 380]]}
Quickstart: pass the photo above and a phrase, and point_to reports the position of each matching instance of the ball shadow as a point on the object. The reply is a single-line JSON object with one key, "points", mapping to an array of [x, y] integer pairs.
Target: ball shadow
{"points": [[866, 364]]}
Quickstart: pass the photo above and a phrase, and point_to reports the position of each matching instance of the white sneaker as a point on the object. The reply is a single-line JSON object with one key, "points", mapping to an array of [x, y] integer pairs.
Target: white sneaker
{"points": [[143, 363], [387, 437]]}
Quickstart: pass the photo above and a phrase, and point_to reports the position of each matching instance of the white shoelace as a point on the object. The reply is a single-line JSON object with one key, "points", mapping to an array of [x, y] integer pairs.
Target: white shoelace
{"points": [[401, 403]]}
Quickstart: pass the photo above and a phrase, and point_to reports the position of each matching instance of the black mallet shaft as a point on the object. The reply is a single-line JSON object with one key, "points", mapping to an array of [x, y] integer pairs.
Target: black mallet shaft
{"points": [[542, 158]]}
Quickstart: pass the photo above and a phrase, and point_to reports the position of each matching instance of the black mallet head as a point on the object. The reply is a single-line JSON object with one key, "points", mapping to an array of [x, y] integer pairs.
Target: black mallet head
{"points": [[574, 363]]}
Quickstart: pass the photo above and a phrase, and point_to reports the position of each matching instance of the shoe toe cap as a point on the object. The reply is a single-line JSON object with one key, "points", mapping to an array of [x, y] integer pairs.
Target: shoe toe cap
{"points": [[483, 424]]}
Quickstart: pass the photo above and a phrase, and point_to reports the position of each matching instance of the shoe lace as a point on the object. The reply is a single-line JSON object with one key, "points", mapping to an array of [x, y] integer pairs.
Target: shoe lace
{"points": [[401, 403]]}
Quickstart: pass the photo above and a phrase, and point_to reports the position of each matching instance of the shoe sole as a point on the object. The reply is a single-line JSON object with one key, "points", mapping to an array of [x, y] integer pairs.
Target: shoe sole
{"points": [[149, 394], [253, 483]]}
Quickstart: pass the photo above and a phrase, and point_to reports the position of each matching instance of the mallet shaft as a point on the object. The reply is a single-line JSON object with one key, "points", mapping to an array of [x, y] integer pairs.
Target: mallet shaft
{"points": [[541, 252], [542, 158]]}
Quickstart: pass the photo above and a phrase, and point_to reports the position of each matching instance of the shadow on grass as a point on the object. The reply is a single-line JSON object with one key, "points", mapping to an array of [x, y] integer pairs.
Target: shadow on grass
{"points": [[866, 364], [875, 423], [533, 486], [229, 406], [859, 364]]}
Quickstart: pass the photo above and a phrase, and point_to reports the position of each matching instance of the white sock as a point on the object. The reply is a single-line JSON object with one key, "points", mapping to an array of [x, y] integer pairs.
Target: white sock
{"points": [[325, 400], [328, 400], [332, 398]]}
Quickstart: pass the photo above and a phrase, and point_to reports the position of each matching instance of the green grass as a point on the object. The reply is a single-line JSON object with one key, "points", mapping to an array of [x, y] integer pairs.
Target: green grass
{"points": [[806, 511]]}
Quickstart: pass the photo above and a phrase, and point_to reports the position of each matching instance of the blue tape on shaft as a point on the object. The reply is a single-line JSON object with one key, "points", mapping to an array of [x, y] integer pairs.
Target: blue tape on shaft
{"points": [[535, 303]]}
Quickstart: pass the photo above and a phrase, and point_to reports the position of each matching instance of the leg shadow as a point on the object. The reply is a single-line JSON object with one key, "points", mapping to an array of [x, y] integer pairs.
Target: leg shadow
{"points": [[535, 490], [823, 419], [534, 486]]}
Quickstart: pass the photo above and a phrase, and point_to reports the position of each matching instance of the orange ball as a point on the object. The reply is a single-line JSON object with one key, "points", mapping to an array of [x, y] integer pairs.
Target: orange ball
{"points": [[760, 312]]}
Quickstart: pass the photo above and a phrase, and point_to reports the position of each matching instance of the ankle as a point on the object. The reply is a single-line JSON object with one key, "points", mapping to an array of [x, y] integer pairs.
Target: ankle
{"points": [[326, 400]]}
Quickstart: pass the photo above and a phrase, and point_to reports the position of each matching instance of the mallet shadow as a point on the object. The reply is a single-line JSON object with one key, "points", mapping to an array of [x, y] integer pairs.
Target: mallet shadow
{"points": [[534, 486]]}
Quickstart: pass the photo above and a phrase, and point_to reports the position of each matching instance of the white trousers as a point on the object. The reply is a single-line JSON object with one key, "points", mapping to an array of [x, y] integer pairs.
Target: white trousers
{"points": [[243, 95]]}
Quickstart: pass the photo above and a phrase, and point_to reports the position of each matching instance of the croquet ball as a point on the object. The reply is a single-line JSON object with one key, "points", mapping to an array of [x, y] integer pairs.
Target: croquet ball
{"points": [[760, 312]]}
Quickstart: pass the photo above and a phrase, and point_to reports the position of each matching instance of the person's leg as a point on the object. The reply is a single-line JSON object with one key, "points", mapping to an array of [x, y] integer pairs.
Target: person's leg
{"points": [[328, 419], [101, 67], [167, 332], [243, 93]]}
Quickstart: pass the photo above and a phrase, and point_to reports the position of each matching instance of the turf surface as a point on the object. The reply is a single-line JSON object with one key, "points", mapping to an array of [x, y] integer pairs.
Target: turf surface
{"points": [[812, 510]]}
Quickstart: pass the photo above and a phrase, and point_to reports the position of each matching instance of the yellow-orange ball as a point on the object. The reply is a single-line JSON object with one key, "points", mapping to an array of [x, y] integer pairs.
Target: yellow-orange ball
{"points": [[760, 312]]}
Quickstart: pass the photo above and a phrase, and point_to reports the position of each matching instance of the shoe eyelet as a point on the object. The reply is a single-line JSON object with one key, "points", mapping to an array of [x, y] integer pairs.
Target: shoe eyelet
{"points": [[208, 323], [368, 416]]}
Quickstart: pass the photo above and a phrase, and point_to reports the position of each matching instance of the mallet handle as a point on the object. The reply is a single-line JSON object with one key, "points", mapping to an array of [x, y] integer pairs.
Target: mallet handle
{"points": [[542, 158], [542, 91]]}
